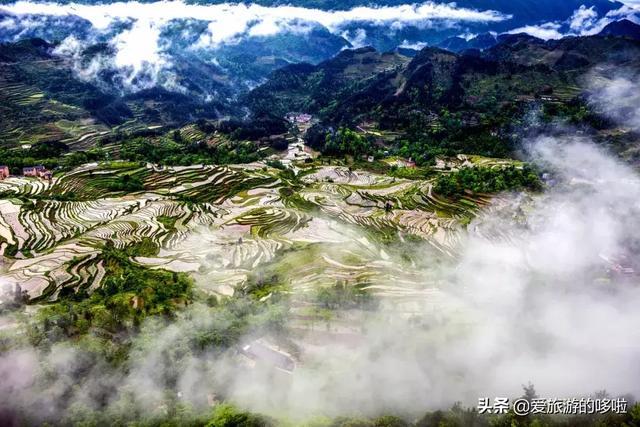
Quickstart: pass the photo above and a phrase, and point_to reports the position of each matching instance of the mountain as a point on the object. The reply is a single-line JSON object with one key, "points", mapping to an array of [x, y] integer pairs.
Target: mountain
{"points": [[246, 62], [622, 28], [569, 53], [458, 44], [262, 40], [448, 102], [454, 44], [307, 87], [42, 99], [46, 97]]}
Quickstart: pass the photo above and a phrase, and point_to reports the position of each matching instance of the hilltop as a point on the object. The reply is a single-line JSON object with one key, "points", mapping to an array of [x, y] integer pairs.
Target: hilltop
{"points": [[622, 28]]}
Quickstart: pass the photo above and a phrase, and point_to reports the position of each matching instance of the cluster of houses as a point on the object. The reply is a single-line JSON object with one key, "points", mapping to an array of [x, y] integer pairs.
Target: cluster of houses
{"points": [[38, 172], [35, 171], [299, 118], [453, 163]]}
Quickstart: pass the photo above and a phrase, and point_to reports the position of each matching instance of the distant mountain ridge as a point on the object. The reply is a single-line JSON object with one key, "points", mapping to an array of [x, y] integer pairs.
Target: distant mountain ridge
{"points": [[458, 44], [240, 58], [622, 28], [462, 98], [42, 100], [306, 87]]}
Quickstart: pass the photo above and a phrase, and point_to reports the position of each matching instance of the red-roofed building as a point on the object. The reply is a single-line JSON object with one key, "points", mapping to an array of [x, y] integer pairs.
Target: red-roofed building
{"points": [[32, 170], [37, 171]]}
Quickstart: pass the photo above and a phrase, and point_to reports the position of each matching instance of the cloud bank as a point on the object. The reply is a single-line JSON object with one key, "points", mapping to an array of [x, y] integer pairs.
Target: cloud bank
{"points": [[583, 22], [146, 36], [242, 15], [615, 93], [226, 22], [538, 304]]}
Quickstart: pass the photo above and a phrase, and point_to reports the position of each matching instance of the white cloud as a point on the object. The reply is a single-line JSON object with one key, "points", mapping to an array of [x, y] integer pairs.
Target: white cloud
{"points": [[142, 57], [72, 48], [583, 22], [266, 27], [615, 93], [548, 31], [221, 31], [583, 18], [467, 36], [357, 38], [624, 12], [229, 20], [103, 14], [416, 46], [138, 46], [8, 24], [138, 61], [586, 22], [631, 3]]}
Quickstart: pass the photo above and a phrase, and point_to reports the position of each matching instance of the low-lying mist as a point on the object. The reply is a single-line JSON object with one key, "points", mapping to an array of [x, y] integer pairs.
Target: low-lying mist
{"points": [[544, 290], [615, 93], [536, 296]]}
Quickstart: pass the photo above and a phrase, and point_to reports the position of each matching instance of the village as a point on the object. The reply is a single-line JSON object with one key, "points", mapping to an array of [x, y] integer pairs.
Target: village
{"points": [[38, 171]]}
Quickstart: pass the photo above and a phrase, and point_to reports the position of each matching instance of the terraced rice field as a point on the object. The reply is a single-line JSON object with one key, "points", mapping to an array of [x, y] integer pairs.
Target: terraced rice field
{"points": [[42, 118], [226, 225], [29, 113]]}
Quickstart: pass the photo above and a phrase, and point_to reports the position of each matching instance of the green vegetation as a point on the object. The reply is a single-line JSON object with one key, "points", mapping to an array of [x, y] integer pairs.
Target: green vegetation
{"points": [[145, 247], [291, 198], [119, 322], [449, 139], [276, 164], [318, 89], [226, 415], [169, 222], [49, 154], [439, 102], [345, 296], [176, 414], [452, 139], [411, 173], [129, 294], [169, 152], [487, 180], [346, 141], [110, 178], [125, 183]]}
